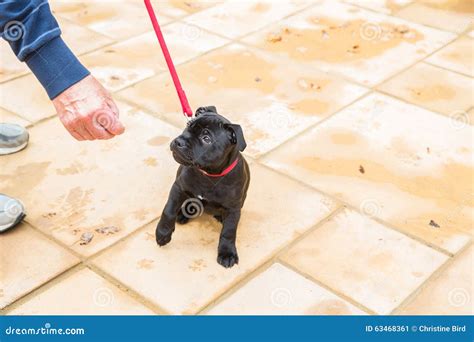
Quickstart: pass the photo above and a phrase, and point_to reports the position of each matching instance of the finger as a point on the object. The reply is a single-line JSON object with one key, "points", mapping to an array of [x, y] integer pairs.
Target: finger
{"points": [[76, 135], [88, 134], [79, 127], [70, 128], [98, 131], [109, 121], [118, 128]]}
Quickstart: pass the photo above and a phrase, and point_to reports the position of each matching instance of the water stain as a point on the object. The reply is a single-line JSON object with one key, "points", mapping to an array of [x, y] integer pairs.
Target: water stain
{"points": [[146, 264], [150, 161], [140, 215], [197, 265], [340, 42], [460, 6], [310, 106], [23, 179], [158, 140], [433, 93], [329, 307], [72, 169], [344, 137], [190, 6], [261, 7], [234, 70]]}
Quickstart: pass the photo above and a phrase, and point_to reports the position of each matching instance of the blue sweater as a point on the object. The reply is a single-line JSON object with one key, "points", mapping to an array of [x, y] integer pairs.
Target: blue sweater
{"points": [[35, 38]]}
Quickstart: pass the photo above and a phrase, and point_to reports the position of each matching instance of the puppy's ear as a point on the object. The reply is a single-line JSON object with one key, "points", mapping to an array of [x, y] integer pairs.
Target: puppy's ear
{"points": [[202, 110], [237, 136]]}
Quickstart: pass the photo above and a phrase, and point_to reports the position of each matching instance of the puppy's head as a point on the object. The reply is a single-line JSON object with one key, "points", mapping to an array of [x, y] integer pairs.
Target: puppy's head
{"points": [[208, 141]]}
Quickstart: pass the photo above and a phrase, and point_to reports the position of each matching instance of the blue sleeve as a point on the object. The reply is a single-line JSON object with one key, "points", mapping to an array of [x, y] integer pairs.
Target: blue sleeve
{"points": [[35, 38]]}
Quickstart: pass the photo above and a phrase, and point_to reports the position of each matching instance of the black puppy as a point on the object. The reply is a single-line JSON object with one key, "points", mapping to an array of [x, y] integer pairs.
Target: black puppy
{"points": [[213, 176]]}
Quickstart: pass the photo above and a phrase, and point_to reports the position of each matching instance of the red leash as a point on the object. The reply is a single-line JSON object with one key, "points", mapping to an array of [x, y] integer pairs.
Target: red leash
{"points": [[179, 89]]}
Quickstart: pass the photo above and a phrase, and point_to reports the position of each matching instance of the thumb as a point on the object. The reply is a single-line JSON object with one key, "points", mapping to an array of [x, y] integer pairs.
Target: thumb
{"points": [[116, 128]]}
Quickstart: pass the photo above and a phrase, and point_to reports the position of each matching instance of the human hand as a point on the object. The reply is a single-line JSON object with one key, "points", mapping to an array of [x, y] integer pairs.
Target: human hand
{"points": [[88, 111]]}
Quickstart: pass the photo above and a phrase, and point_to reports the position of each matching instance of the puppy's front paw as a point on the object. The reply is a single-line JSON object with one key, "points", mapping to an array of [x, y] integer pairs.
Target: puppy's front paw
{"points": [[163, 235], [228, 258]]}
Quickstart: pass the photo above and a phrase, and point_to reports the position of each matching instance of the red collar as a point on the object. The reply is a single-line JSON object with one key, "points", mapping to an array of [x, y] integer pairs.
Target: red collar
{"points": [[223, 173]]}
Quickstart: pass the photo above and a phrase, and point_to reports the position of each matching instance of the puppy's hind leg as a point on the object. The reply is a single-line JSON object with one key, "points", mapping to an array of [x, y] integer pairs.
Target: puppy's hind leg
{"points": [[165, 227]]}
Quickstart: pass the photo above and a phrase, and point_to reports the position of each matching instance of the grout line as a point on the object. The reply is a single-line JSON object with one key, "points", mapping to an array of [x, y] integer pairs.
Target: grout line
{"points": [[445, 68], [430, 279], [314, 125], [43, 287], [267, 263], [445, 115], [341, 295], [374, 218], [126, 290]]}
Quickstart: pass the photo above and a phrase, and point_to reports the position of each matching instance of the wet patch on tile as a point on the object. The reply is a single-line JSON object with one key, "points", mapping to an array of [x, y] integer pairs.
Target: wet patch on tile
{"points": [[417, 167], [359, 44], [237, 18], [457, 56], [449, 15], [433, 88], [383, 6]]}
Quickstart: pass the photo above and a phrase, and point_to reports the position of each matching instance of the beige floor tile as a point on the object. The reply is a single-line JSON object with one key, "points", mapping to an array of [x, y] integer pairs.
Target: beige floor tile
{"points": [[406, 165], [10, 67], [431, 87], [449, 15], [120, 65], [116, 19], [80, 39], [360, 44], [450, 294], [74, 188], [28, 261], [237, 18], [83, 293], [26, 97], [181, 8], [281, 291], [364, 260], [457, 56], [285, 98], [184, 276], [6, 116], [383, 6]]}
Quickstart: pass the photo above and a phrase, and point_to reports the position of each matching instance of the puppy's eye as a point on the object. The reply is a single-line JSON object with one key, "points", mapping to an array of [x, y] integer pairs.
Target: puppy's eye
{"points": [[206, 139]]}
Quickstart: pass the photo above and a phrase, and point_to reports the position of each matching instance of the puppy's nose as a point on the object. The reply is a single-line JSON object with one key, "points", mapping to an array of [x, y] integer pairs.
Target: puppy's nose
{"points": [[178, 143]]}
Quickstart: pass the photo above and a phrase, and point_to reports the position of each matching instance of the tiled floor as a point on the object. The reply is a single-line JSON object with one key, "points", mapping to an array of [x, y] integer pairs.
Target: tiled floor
{"points": [[358, 117]]}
